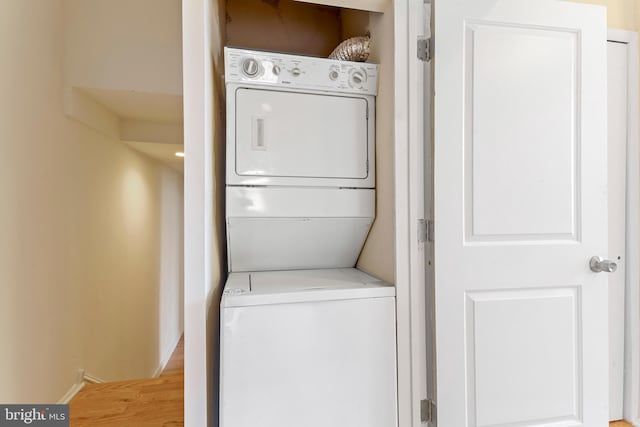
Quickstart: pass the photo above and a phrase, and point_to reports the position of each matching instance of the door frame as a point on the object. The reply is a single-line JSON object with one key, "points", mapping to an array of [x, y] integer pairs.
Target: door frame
{"points": [[632, 293], [410, 75]]}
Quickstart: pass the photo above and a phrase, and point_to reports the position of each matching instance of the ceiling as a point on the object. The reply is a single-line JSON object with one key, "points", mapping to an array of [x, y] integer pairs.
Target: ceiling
{"points": [[137, 105], [152, 110], [166, 153]]}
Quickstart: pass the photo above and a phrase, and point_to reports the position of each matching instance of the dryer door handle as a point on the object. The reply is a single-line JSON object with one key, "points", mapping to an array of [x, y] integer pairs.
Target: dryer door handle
{"points": [[258, 142]]}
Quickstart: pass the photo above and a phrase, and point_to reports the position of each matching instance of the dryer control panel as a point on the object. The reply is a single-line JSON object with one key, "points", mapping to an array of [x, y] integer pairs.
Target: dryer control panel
{"points": [[301, 72]]}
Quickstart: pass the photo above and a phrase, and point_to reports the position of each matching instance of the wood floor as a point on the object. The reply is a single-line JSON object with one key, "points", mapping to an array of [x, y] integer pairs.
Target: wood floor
{"points": [[157, 402], [619, 424]]}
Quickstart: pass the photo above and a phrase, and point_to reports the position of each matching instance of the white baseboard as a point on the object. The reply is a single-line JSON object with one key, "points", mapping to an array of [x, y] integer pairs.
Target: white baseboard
{"points": [[158, 371], [70, 394], [91, 379], [167, 357], [88, 378]]}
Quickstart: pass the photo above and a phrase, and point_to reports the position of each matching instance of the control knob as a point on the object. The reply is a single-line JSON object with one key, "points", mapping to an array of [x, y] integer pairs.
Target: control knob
{"points": [[357, 77], [250, 67]]}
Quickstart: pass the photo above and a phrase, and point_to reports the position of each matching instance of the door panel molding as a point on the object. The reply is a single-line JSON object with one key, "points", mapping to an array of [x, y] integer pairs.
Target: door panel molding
{"points": [[493, 399], [497, 124]]}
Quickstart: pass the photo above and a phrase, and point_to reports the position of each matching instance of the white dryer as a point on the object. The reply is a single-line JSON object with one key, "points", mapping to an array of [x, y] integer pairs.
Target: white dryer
{"points": [[299, 121], [306, 339], [300, 160]]}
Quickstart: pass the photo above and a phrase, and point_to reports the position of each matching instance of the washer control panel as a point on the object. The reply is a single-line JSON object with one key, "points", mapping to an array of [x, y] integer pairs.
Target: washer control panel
{"points": [[248, 66]]}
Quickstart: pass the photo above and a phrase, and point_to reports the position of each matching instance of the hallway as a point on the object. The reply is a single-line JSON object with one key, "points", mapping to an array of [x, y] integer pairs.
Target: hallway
{"points": [[147, 402]]}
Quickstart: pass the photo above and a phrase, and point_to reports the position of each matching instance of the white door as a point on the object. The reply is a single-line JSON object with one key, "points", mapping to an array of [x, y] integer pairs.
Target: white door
{"points": [[520, 207], [617, 149]]}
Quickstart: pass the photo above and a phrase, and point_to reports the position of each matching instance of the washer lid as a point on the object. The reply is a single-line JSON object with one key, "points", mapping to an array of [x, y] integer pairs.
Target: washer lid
{"points": [[281, 287]]}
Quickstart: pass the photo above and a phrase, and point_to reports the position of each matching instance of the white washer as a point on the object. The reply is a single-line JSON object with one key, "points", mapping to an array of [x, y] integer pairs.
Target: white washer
{"points": [[312, 348]]}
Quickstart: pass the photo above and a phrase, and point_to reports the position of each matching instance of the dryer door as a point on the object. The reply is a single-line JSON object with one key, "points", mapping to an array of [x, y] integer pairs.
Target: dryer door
{"points": [[291, 138]]}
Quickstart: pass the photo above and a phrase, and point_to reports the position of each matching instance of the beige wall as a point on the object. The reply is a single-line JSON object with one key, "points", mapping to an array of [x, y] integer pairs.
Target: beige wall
{"points": [[378, 254], [127, 215], [124, 45], [90, 231]]}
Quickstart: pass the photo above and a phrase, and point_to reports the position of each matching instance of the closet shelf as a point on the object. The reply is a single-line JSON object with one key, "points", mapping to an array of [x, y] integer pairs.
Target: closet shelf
{"points": [[368, 5]]}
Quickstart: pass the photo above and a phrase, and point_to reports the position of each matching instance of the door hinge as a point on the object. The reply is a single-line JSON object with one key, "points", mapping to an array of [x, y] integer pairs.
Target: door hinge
{"points": [[427, 411], [425, 230], [425, 49]]}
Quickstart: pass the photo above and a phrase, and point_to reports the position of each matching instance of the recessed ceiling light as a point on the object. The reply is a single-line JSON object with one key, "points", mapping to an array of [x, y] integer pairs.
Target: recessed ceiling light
{"points": [[179, 154]]}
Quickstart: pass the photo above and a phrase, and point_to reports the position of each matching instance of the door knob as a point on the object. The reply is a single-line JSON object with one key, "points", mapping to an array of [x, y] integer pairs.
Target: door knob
{"points": [[598, 265]]}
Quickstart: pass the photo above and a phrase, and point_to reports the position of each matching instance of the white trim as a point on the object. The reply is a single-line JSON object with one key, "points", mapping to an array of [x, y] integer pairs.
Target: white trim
{"points": [[632, 293], [410, 22], [622, 36], [71, 393], [158, 370], [198, 202], [418, 125], [167, 357], [402, 227], [92, 380]]}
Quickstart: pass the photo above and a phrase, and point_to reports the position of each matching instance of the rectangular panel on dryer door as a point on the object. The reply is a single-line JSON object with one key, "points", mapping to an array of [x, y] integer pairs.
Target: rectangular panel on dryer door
{"points": [[286, 134]]}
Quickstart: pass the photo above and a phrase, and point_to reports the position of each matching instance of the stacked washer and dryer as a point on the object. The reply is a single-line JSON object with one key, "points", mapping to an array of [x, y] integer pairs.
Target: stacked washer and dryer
{"points": [[307, 340]]}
